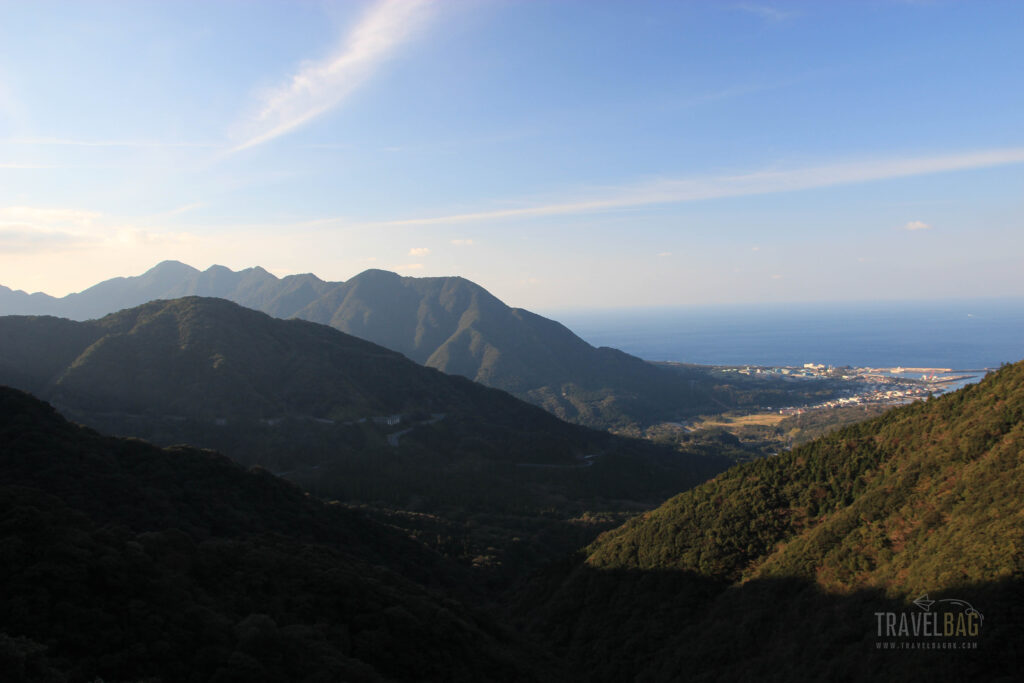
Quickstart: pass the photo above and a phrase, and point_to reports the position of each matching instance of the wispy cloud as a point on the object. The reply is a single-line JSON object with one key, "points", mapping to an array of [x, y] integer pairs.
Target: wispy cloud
{"points": [[419, 251], [26, 239], [16, 165], [664, 253], [673, 191], [319, 86], [182, 209], [103, 143], [916, 225], [46, 216], [33, 228], [462, 243]]}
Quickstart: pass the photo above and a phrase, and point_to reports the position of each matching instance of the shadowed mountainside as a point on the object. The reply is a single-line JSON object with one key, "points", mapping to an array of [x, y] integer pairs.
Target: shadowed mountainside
{"points": [[777, 567], [347, 419], [130, 562]]}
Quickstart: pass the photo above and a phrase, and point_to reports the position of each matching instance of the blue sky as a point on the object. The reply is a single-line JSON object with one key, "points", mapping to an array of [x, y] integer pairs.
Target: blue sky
{"points": [[561, 154]]}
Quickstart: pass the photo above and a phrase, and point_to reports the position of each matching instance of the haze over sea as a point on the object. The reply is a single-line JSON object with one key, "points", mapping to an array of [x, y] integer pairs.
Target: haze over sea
{"points": [[956, 334]]}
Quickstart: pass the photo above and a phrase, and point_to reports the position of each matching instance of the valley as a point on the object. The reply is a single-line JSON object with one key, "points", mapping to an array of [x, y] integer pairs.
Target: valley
{"points": [[480, 473], [559, 535], [811, 544], [411, 341]]}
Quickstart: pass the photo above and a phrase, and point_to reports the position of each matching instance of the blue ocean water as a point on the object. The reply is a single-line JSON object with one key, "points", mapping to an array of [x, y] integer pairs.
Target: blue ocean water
{"points": [[962, 334]]}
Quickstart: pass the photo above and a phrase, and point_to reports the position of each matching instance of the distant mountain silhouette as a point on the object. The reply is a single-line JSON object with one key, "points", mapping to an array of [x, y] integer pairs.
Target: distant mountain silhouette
{"points": [[253, 288], [448, 323]]}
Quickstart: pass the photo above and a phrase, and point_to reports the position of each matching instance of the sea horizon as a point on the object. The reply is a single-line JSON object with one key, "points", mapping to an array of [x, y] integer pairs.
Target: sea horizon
{"points": [[960, 334]]}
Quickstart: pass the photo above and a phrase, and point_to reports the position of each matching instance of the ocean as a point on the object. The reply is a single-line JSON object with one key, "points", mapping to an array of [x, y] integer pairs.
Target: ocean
{"points": [[961, 335]]}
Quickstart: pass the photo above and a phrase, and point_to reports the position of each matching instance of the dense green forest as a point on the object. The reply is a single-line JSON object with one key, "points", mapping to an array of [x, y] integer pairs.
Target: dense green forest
{"points": [[129, 562], [132, 562], [429, 525], [794, 554]]}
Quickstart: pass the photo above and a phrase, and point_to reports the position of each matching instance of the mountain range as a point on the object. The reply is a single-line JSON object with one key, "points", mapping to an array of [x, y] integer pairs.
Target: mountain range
{"points": [[347, 419], [447, 552], [447, 323]]}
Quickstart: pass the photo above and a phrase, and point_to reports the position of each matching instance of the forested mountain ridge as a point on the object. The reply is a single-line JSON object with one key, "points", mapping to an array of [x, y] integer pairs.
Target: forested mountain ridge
{"points": [[346, 419], [209, 359], [458, 327], [448, 323], [895, 501], [746, 574], [129, 562]]}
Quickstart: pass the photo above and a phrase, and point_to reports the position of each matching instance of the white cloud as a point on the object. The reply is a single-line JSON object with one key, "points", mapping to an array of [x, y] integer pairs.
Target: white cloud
{"points": [[665, 253], [419, 251], [103, 143], [673, 191], [319, 86], [47, 216], [27, 239], [776, 276], [185, 208], [916, 225], [41, 226], [16, 165]]}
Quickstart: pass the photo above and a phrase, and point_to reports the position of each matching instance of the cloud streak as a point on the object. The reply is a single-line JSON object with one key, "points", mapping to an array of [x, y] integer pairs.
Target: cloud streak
{"points": [[39, 229], [58, 142], [20, 166], [28, 240], [319, 86], [44, 216], [675, 191]]}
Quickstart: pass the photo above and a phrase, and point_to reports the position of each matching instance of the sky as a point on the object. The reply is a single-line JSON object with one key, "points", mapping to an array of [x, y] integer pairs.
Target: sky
{"points": [[562, 154]]}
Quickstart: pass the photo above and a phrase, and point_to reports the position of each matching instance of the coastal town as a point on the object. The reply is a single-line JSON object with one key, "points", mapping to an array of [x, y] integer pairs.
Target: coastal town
{"points": [[866, 385]]}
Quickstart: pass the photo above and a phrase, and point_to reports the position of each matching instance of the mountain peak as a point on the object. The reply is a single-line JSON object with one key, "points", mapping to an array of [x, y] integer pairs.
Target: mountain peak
{"points": [[259, 269], [376, 274], [171, 267]]}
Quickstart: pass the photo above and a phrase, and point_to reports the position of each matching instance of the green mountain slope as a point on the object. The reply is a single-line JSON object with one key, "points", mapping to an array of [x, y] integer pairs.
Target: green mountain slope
{"points": [[750, 572], [448, 323], [128, 562], [458, 327]]}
